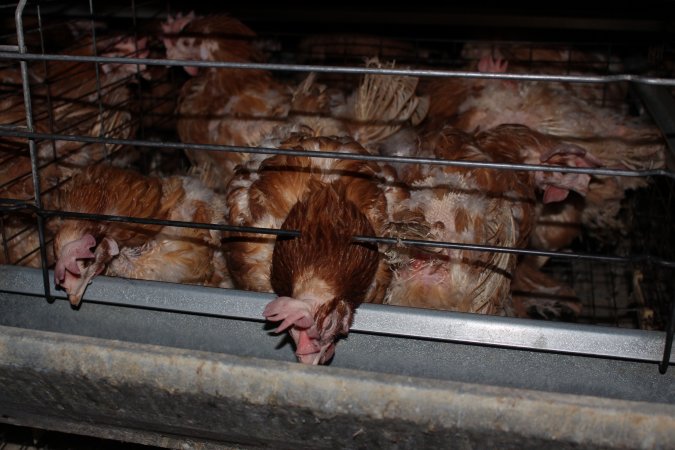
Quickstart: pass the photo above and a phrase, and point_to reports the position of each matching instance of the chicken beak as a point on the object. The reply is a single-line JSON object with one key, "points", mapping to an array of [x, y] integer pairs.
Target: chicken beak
{"points": [[75, 296], [326, 353], [105, 252], [320, 357]]}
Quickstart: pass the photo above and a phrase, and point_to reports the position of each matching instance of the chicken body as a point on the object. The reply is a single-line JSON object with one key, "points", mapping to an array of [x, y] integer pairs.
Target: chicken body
{"points": [[252, 108], [614, 138], [321, 276], [133, 250], [557, 59], [68, 97], [477, 206], [223, 106], [230, 107], [468, 206], [20, 240], [327, 199], [72, 98]]}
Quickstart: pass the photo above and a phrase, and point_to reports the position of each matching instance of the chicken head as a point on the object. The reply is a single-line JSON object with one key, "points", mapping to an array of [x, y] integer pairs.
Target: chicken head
{"points": [[313, 327], [180, 47], [127, 48], [77, 264], [557, 185]]}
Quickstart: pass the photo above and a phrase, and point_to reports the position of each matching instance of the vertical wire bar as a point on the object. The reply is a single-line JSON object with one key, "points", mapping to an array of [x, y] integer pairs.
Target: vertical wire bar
{"points": [[670, 285], [50, 111], [663, 366], [97, 70], [605, 86], [611, 285], [141, 118], [5, 243], [587, 276], [18, 19]]}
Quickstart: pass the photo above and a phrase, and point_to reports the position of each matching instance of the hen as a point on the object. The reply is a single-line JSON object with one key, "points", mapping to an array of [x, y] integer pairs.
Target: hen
{"points": [[223, 106], [557, 59], [478, 206], [617, 140], [252, 108], [320, 276], [69, 98], [20, 241], [134, 250]]}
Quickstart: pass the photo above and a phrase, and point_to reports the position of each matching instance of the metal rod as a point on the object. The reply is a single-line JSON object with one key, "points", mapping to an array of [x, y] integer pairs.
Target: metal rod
{"points": [[50, 107], [97, 71], [5, 241], [18, 205], [173, 223], [18, 17], [339, 155], [141, 112], [518, 251], [345, 70], [668, 345]]}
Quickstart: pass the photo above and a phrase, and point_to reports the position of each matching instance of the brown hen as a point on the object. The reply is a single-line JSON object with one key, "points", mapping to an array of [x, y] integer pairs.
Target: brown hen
{"points": [[135, 250], [328, 200]]}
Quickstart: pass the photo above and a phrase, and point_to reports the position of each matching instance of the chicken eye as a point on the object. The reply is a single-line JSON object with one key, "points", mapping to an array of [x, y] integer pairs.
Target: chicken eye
{"points": [[328, 323]]}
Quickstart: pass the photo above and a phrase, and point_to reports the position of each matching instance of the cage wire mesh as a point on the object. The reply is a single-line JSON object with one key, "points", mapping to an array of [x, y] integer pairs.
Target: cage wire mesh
{"points": [[137, 103]]}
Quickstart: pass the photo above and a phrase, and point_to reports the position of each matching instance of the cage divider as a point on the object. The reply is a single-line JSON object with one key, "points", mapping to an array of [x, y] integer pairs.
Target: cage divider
{"points": [[18, 16]]}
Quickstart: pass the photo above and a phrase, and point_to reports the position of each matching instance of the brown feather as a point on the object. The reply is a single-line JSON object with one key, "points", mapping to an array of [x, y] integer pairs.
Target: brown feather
{"points": [[327, 220], [145, 251], [263, 195], [102, 189]]}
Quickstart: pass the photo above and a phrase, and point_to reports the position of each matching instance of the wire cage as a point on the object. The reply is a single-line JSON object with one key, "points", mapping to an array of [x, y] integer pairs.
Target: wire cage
{"points": [[90, 83]]}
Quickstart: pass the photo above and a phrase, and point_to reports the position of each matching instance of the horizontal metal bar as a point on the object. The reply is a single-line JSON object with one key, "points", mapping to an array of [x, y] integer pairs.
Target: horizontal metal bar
{"points": [[345, 70], [517, 251], [17, 205], [412, 323], [9, 48], [177, 223], [339, 155]]}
